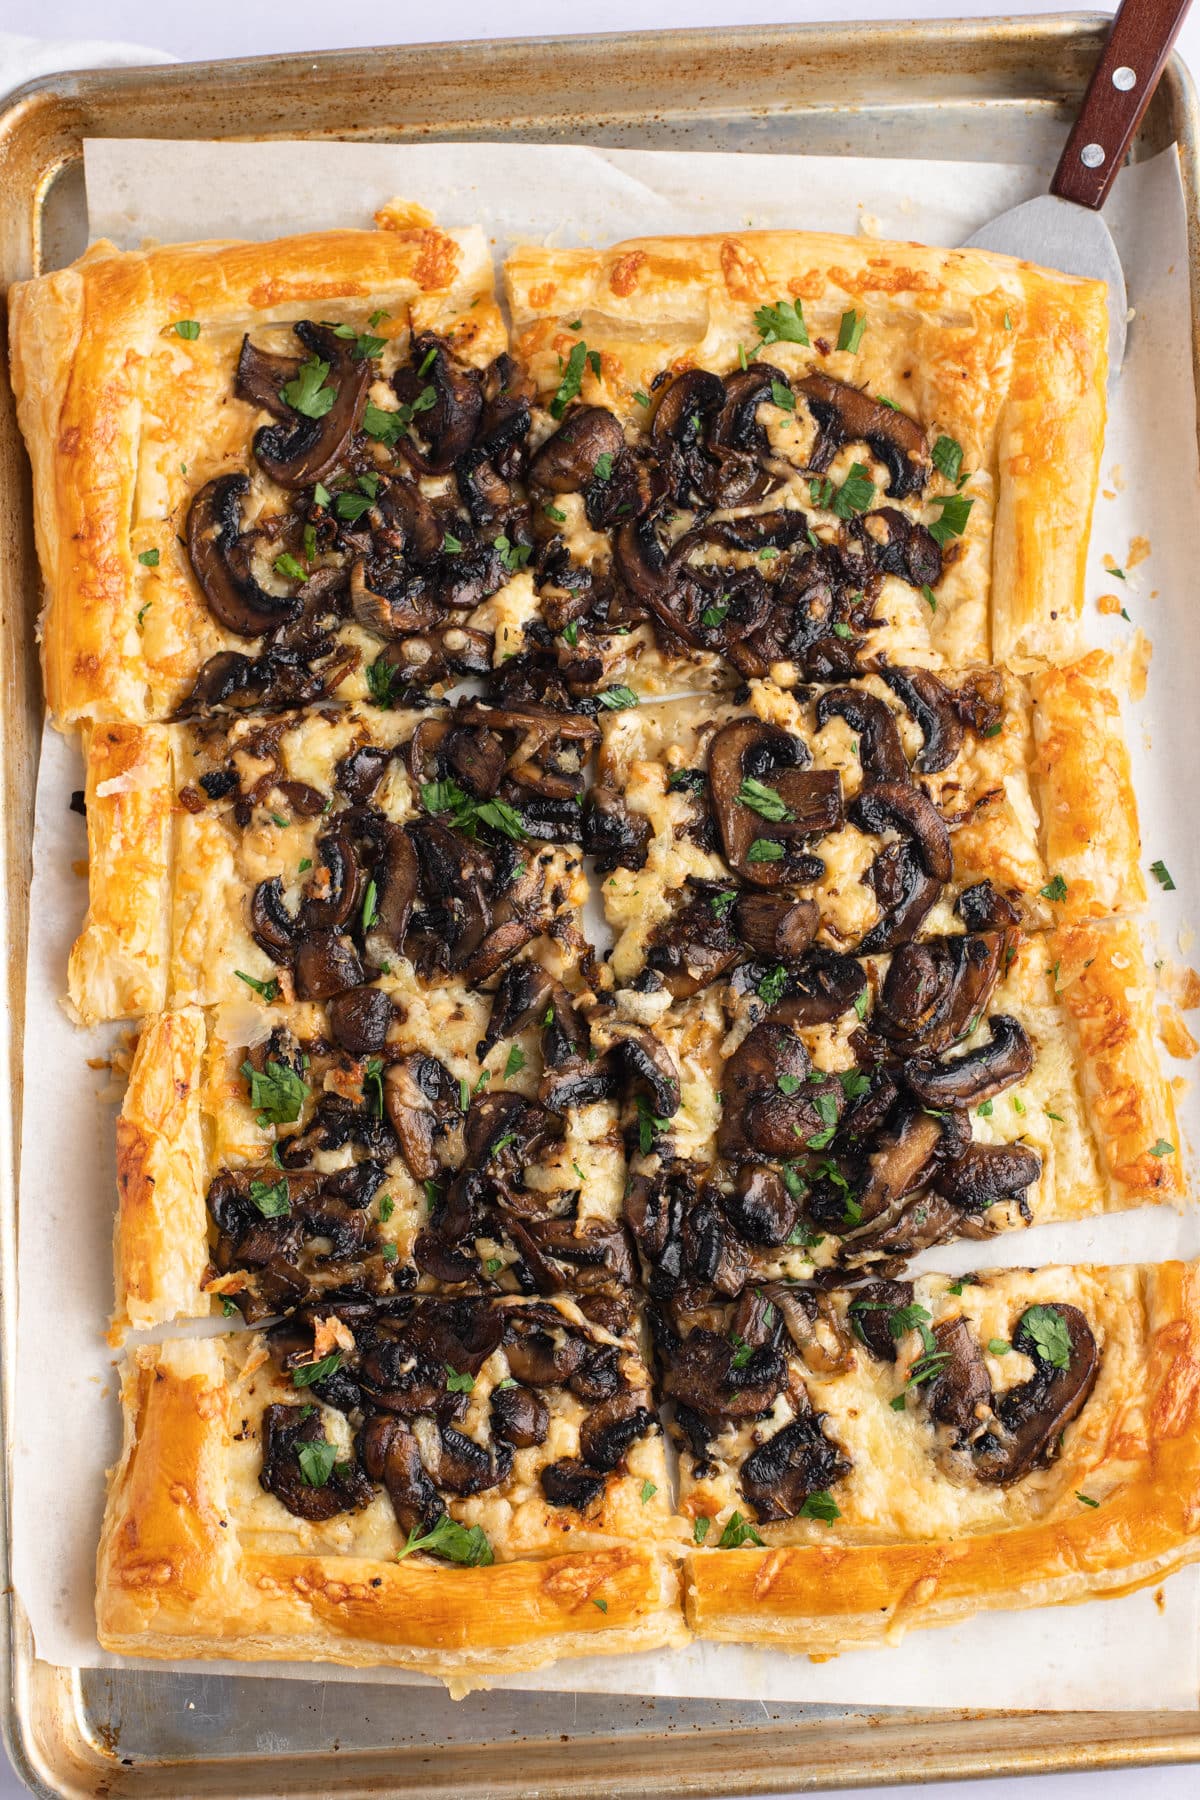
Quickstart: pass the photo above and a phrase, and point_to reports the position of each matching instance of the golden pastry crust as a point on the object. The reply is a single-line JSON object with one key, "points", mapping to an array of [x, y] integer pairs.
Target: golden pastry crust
{"points": [[1007, 359], [195, 1561], [125, 420], [1090, 836], [118, 968], [1134, 1449]]}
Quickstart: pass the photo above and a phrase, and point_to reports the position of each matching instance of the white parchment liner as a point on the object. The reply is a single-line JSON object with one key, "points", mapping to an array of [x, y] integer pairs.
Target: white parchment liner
{"points": [[1138, 1652]]}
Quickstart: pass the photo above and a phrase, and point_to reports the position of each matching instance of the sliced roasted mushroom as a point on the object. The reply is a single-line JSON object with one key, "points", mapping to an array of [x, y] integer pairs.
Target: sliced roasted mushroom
{"points": [[981, 908], [978, 1074], [695, 945], [566, 462], [453, 871], [359, 1019], [396, 877], [935, 992], [702, 1378], [286, 1430], [712, 1255], [221, 563], [390, 1454], [616, 837], [541, 1358], [871, 1313], [761, 1208], [777, 926], [272, 924], [458, 1463], [393, 601], [647, 1070], [522, 996], [569, 1482], [900, 1160], [905, 893], [1032, 1417], [822, 989], [932, 706], [449, 424], [960, 1393], [813, 1326], [897, 806], [335, 886], [848, 415], [420, 1097], [799, 1460], [879, 748], [769, 1105], [260, 376], [678, 432], [519, 1416], [763, 850], [326, 963], [987, 1174], [299, 453], [608, 1433]]}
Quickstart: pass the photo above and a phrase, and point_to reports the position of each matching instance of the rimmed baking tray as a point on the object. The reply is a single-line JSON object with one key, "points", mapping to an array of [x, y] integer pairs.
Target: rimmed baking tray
{"points": [[978, 90]]}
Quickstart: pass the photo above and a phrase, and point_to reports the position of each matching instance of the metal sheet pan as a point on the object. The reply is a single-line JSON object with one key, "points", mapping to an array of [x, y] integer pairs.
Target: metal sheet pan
{"points": [[979, 90]]}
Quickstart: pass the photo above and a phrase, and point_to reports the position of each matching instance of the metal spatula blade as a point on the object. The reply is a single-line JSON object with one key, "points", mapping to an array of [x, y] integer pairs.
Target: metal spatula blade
{"points": [[1058, 234], [1063, 229]]}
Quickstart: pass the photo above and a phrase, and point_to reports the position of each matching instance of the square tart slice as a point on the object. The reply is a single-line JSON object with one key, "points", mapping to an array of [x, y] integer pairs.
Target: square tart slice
{"points": [[899, 804], [264, 472], [855, 1112], [445, 1140], [462, 1488], [858, 1463], [303, 853], [775, 452]]}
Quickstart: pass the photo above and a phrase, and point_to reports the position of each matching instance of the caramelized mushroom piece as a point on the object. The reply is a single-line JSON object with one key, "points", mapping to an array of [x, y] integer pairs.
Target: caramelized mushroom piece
{"points": [[960, 1394], [694, 946], [978, 1074], [766, 1093], [396, 877], [932, 706], [609, 1432], [760, 1208], [420, 1098], [297, 454], [616, 837], [390, 1454], [747, 750], [325, 964], [871, 1311], [799, 1460], [519, 1416], [935, 992], [897, 806], [449, 425], [824, 987], [334, 887], [846, 414], [987, 1174], [566, 462], [702, 1378], [221, 563], [647, 1070], [879, 748], [261, 375], [1032, 1417], [286, 1430], [777, 926], [359, 1019], [272, 924], [569, 1482], [906, 894]]}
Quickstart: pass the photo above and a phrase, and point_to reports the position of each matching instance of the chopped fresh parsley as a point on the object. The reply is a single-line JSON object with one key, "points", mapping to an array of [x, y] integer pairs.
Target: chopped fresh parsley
{"points": [[737, 1532], [187, 328], [1085, 1499], [721, 903], [370, 906], [385, 427], [773, 985], [513, 556], [782, 323], [821, 1505], [742, 1352], [956, 510], [765, 850], [515, 1062], [316, 1462], [603, 467], [381, 678], [648, 1125], [850, 331], [649, 1489], [700, 1528], [351, 506], [447, 797], [456, 1383], [929, 596], [1162, 875], [276, 1094], [783, 396], [600, 1605], [712, 616], [271, 1199], [556, 513], [1055, 890], [572, 380], [291, 570], [387, 1207], [373, 1079], [999, 1346], [855, 494], [948, 458], [861, 1002], [787, 1084], [266, 990], [453, 1541], [149, 559], [306, 393], [766, 801], [1048, 1330], [571, 633], [1162, 1148], [618, 698], [984, 1109], [308, 1373]]}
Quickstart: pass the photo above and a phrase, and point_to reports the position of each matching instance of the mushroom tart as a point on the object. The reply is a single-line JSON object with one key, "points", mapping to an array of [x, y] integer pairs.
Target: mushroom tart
{"points": [[465, 1487], [296, 856]]}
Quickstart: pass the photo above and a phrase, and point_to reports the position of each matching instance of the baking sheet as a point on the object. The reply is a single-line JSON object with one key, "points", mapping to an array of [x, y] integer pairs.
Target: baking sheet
{"points": [[1139, 1652]]}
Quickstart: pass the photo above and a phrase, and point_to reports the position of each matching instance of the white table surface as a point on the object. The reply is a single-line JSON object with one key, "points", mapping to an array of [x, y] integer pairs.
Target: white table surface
{"points": [[217, 28]]}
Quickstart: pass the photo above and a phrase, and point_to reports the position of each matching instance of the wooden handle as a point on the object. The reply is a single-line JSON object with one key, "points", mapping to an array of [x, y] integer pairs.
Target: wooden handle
{"points": [[1117, 95]]}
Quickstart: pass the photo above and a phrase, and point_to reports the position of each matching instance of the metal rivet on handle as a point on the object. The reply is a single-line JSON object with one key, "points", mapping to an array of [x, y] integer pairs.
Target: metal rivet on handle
{"points": [[1124, 78], [1092, 155]]}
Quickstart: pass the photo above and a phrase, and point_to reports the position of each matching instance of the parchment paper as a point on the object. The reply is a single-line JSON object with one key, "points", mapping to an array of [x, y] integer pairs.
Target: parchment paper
{"points": [[1139, 1652]]}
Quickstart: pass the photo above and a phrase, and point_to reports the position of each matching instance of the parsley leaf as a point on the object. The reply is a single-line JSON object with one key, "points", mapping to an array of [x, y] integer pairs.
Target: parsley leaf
{"points": [[453, 1541], [782, 323], [929, 596], [515, 1063], [267, 990], [772, 986], [384, 427], [721, 903], [291, 570], [821, 1505], [783, 396], [277, 1095], [271, 1199], [1161, 874], [1162, 1148], [956, 510], [316, 1462], [149, 559], [381, 678], [648, 1125], [765, 850], [1085, 1499], [1055, 890], [1047, 1329], [649, 1489], [572, 380], [618, 698], [766, 801], [738, 1532], [308, 1373], [855, 494], [306, 393], [456, 1383], [850, 331], [700, 1529], [187, 328], [948, 457]]}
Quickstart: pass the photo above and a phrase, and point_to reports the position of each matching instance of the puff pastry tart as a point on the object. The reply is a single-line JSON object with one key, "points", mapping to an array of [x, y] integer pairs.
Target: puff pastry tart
{"points": [[798, 452], [266, 474], [300, 854], [459, 1487], [856, 1111], [900, 804], [910, 1453], [449, 1139]]}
